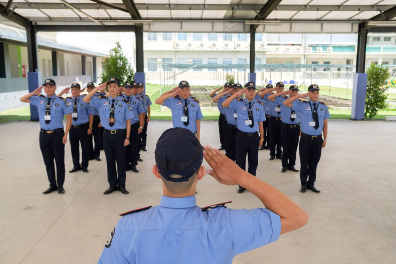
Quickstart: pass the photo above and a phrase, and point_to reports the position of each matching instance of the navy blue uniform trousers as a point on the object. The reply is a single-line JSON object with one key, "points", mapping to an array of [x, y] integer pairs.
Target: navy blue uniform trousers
{"points": [[221, 129], [230, 133], [247, 145], [79, 135], [52, 147], [132, 150], [97, 137], [290, 135], [143, 137], [310, 152], [114, 149], [266, 131], [275, 127]]}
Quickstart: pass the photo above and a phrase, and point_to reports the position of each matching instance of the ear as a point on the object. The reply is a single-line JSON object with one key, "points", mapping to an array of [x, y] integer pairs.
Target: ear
{"points": [[155, 172], [201, 173]]}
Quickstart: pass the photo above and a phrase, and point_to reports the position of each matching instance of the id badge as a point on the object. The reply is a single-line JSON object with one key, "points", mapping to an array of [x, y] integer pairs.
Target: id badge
{"points": [[112, 120], [277, 109], [293, 115], [235, 115], [248, 122], [74, 115], [312, 124], [47, 117], [184, 118]]}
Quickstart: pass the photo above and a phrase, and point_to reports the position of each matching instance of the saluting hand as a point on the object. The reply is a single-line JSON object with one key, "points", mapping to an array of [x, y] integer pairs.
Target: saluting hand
{"points": [[173, 89], [120, 89], [176, 92], [101, 88], [37, 91], [65, 91], [225, 171], [303, 95], [241, 92], [83, 90]]}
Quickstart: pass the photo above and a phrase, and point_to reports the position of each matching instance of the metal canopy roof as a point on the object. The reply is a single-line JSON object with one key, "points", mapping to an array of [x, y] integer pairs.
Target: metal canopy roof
{"points": [[234, 16]]}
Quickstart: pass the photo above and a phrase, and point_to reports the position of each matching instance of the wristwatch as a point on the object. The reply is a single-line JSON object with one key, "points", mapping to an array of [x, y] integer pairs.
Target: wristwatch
{"points": [[261, 139], [141, 127], [325, 140], [90, 128], [127, 138]]}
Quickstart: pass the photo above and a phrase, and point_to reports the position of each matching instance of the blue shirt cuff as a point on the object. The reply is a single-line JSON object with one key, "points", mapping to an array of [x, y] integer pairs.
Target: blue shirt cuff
{"points": [[276, 226]]}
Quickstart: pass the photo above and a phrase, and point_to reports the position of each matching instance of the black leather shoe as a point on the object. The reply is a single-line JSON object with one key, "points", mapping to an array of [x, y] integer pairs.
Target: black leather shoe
{"points": [[61, 190], [144, 149], [279, 157], [272, 158], [91, 158], [98, 159], [134, 169], [303, 189], [128, 167], [262, 147], [110, 190], [284, 169], [139, 159], [85, 170], [312, 188], [123, 190], [241, 189], [292, 168], [74, 170], [50, 190]]}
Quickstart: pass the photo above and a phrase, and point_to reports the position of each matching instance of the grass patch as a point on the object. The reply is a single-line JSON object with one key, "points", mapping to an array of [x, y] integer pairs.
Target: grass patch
{"points": [[19, 114]]}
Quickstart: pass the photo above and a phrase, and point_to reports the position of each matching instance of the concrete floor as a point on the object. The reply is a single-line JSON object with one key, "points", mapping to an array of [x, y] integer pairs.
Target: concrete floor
{"points": [[353, 219]]}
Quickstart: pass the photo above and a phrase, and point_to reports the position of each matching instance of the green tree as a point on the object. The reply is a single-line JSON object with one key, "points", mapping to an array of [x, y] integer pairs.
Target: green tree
{"points": [[117, 65], [376, 91], [229, 78]]}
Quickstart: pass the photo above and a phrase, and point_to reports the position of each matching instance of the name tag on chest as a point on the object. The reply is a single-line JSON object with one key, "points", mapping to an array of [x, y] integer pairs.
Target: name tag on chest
{"points": [[312, 124], [235, 115], [248, 122], [47, 117], [74, 115], [184, 118], [293, 115], [277, 109]]}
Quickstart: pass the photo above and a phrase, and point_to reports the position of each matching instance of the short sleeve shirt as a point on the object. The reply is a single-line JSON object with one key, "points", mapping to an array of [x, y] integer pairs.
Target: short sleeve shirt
{"points": [[273, 107], [136, 106], [286, 112], [305, 110], [240, 106], [84, 110]]}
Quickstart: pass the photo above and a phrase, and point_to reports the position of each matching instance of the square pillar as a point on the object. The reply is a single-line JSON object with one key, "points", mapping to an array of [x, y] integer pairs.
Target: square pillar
{"points": [[94, 69], [252, 50], [83, 63], [54, 57], [139, 49], [359, 96], [33, 74]]}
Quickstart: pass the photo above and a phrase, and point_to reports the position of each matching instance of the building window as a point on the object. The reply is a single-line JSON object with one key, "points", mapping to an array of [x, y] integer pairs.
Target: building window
{"points": [[387, 38], [259, 37], [376, 38], [314, 62], [257, 61], [197, 36], [212, 36], [167, 36], [242, 37], [182, 61], [167, 61], [227, 61], [197, 61], [182, 36], [152, 36], [212, 61], [152, 64], [241, 61], [385, 62], [227, 37]]}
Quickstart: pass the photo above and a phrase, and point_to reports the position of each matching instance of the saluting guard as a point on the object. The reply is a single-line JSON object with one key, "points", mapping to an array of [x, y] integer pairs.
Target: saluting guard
{"points": [[147, 108], [221, 120]]}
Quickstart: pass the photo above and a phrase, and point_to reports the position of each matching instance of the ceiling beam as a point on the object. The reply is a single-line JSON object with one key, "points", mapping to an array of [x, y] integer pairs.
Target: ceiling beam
{"points": [[132, 9], [74, 9], [247, 7], [382, 30], [82, 28], [14, 17], [389, 14], [265, 11]]}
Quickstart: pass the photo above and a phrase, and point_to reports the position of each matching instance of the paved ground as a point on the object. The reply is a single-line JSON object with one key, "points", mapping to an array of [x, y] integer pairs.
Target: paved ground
{"points": [[353, 219]]}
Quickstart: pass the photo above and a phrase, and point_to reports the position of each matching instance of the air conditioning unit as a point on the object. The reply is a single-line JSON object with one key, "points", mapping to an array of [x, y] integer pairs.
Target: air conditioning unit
{"points": [[298, 49], [319, 49], [329, 49], [201, 45], [287, 49], [177, 45], [213, 46], [226, 46], [189, 46], [238, 45], [277, 49], [309, 49]]}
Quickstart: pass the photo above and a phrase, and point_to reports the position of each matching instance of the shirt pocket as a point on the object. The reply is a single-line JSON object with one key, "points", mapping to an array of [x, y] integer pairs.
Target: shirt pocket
{"points": [[243, 114]]}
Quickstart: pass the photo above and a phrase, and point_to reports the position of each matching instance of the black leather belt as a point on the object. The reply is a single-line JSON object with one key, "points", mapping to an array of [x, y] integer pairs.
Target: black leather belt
{"points": [[228, 124], [137, 122], [114, 131], [290, 125], [82, 125], [248, 134], [267, 116], [275, 118], [52, 131], [96, 116], [310, 136]]}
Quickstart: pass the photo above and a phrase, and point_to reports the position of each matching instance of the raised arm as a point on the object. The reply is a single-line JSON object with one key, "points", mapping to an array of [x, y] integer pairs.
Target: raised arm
{"points": [[64, 91], [215, 91], [263, 93], [26, 97], [160, 100], [218, 96], [273, 96], [289, 102], [228, 101], [101, 88]]}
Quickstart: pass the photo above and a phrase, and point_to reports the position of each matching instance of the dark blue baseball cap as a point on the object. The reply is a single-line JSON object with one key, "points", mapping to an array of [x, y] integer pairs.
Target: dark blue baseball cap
{"points": [[113, 80], [50, 82], [269, 86], [128, 85], [313, 87], [236, 86], [75, 84], [250, 85], [280, 84], [183, 84], [178, 152], [90, 84], [227, 84], [293, 87]]}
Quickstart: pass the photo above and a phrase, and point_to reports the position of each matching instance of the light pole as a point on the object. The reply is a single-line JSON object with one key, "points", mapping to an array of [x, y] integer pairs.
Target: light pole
{"points": [[160, 66]]}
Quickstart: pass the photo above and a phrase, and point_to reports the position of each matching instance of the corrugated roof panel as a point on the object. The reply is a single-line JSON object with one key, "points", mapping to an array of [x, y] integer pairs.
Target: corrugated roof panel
{"points": [[281, 14], [30, 13], [213, 14], [96, 12], [366, 15], [340, 15], [294, 2], [326, 2], [155, 13], [118, 13], [310, 14], [364, 2], [62, 13]]}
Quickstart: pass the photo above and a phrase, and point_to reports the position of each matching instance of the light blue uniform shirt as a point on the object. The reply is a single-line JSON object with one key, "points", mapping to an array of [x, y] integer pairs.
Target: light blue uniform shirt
{"points": [[286, 111], [263, 101], [145, 101], [122, 111], [219, 103], [95, 111], [229, 114], [176, 105], [59, 108], [304, 108], [272, 106], [84, 110], [240, 107], [178, 231], [135, 103]]}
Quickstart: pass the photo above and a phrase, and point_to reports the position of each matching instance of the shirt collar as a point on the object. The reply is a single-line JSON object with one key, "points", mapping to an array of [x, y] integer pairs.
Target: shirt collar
{"points": [[185, 202], [313, 103], [52, 97]]}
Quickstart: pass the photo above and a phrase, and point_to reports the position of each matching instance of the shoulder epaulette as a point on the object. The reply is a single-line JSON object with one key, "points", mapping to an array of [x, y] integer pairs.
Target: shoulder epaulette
{"points": [[136, 210], [177, 96], [239, 99], [214, 206], [102, 96], [124, 100], [60, 97], [273, 92], [147, 96], [259, 102], [284, 96], [228, 96], [40, 95], [323, 103], [304, 101], [195, 100]]}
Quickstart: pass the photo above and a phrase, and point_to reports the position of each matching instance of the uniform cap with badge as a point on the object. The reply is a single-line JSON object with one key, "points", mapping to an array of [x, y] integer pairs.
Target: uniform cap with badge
{"points": [[280, 84], [178, 152], [75, 84], [293, 88], [269, 86], [50, 82], [91, 84], [226, 85], [250, 86], [113, 80], [183, 84], [140, 85], [128, 85], [313, 87], [236, 86]]}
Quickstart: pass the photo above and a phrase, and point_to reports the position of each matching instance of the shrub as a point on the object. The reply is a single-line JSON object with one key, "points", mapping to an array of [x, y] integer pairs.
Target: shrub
{"points": [[376, 92]]}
